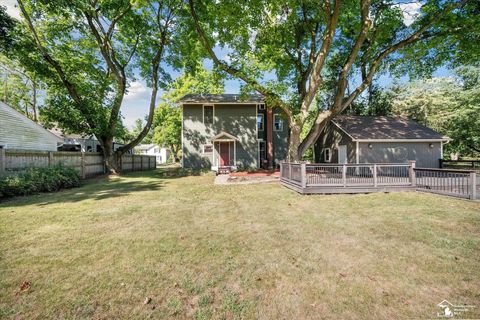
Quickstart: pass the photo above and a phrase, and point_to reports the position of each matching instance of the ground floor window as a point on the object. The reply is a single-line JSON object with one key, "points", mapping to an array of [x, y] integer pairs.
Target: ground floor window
{"points": [[327, 155], [207, 148]]}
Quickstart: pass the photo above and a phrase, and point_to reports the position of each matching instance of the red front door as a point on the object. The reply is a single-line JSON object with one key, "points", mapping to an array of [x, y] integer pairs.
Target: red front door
{"points": [[224, 154]]}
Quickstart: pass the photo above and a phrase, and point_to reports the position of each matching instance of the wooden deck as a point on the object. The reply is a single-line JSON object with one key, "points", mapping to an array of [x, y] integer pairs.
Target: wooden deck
{"points": [[366, 178]]}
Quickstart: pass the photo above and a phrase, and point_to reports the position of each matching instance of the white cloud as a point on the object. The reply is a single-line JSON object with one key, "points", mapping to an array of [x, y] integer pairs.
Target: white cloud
{"points": [[12, 8], [137, 91], [410, 11]]}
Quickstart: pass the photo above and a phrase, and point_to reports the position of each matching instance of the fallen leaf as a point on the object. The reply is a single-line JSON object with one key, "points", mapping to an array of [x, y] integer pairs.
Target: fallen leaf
{"points": [[147, 300], [24, 287]]}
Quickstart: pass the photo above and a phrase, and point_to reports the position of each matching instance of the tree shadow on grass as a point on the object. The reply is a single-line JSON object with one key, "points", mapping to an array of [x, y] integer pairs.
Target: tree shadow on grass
{"points": [[92, 189], [104, 187]]}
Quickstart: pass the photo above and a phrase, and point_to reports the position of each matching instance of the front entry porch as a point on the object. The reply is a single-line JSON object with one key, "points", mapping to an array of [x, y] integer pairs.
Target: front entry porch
{"points": [[224, 153]]}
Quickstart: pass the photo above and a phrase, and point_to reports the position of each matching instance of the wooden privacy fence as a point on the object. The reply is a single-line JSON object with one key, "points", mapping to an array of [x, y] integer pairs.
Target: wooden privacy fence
{"points": [[461, 164], [88, 164], [374, 177]]}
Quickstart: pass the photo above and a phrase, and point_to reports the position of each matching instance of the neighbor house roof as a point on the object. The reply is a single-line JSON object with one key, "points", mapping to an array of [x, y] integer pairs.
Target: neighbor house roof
{"points": [[145, 146], [221, 98], [385, 128]]}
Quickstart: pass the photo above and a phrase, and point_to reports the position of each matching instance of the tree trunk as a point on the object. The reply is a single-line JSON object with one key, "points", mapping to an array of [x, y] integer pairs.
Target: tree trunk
{"points": [[294, 143], [110, 157]]}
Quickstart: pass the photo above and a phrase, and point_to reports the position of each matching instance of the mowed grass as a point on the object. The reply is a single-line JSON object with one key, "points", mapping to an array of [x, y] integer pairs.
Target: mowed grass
{"points": [[234, 252]]}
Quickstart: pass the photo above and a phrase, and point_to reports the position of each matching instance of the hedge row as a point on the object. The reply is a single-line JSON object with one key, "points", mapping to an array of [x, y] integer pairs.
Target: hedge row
{"points": [[35, 180]]}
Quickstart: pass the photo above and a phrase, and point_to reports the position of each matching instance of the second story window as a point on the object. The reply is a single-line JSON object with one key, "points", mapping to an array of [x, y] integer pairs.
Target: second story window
{"points": [[260, 122], [277, 122], [208, 115]]}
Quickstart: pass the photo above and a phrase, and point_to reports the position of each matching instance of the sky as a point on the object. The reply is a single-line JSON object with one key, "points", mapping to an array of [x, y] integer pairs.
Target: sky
{"points": [[136, 102]]}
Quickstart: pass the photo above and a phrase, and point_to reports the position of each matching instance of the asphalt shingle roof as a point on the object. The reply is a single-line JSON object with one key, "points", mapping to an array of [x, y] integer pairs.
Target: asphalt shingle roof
{"points": [[222, 98], [385, 128]]}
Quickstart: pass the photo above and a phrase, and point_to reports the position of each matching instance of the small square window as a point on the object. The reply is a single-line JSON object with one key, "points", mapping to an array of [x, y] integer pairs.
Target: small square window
{"points": [[260, 122], [261, 107], [277, 122], [207, 148]]}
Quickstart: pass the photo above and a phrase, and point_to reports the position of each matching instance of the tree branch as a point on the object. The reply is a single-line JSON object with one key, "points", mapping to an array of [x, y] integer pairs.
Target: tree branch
{"points": [[72, 90], [276, 100]]}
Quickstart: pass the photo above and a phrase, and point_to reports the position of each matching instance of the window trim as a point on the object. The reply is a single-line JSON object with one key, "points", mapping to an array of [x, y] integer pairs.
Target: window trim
{"points": [[213, 112], [263, 122], [329, 155], [206, 145], [280, 121]]}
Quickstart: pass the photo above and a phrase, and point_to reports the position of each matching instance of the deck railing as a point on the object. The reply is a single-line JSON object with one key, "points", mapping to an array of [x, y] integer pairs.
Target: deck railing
{"points": [[458, 183], [306, 175], [370, 177]]}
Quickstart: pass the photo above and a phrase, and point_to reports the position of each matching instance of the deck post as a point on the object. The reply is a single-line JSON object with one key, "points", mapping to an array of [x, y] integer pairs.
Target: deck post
{"points": [[281, 169], [344, 175], [411, 173], [473, 183], [375, 183], [303, 175], [289, 171], [3, 160]]}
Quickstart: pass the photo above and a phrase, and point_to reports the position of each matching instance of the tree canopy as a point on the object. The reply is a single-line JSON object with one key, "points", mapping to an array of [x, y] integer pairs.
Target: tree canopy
{"points": [[313, 60], [88, 52]]}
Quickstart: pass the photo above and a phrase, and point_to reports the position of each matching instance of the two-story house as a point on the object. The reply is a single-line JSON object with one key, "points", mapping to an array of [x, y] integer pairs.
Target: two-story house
{"points": [[224, 132]]}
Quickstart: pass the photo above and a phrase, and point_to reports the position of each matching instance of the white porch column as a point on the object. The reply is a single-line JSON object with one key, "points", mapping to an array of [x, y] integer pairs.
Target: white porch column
{"points": [[234, 153]]}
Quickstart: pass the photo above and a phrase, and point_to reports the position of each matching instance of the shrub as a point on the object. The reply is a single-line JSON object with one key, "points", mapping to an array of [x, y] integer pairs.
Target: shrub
{"points": [[35, 180]]}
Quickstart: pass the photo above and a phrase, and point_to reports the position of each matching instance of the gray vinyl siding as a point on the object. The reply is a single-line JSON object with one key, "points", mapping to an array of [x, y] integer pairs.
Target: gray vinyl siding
{"points": [[280, 140], [238, 120], [19, 132], [401, 152], [332, 138]]}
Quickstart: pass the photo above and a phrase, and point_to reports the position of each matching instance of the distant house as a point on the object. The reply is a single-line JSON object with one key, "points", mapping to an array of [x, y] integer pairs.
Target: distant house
{"points": [[19, 132], [160, 153], [80, 143], [224, 132], [369, 139]]}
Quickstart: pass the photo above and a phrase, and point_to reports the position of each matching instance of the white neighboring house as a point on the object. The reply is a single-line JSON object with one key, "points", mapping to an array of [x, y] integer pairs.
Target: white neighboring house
{"points": [[161, 154], [19, 132]]}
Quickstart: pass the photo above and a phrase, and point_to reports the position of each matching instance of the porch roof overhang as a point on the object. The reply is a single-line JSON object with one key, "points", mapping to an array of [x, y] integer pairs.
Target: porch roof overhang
{"points": [[224, 136]]}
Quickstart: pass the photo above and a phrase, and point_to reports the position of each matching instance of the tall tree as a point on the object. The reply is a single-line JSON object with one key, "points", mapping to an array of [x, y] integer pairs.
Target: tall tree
{"points": [[89, 51], [314, 60]]}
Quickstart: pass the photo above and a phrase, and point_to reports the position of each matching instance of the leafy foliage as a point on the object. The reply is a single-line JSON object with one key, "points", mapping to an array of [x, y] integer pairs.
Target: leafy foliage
{"points": [[35, 180], [88, 53], [315, 60], [448, 105]]}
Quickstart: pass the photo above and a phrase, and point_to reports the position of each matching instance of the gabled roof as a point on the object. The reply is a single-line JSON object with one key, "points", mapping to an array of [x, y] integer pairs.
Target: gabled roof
{"points": [[34, 125], [385, 128], [224, 136], [222, 98]]}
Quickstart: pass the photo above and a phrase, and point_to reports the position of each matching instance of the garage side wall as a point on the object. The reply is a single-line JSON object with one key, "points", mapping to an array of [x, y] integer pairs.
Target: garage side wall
{"points": [[401, 152]]}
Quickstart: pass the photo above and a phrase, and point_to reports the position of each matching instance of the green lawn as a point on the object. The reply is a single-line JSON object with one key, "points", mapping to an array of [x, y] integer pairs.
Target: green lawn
{"points": [[234, 252]]}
